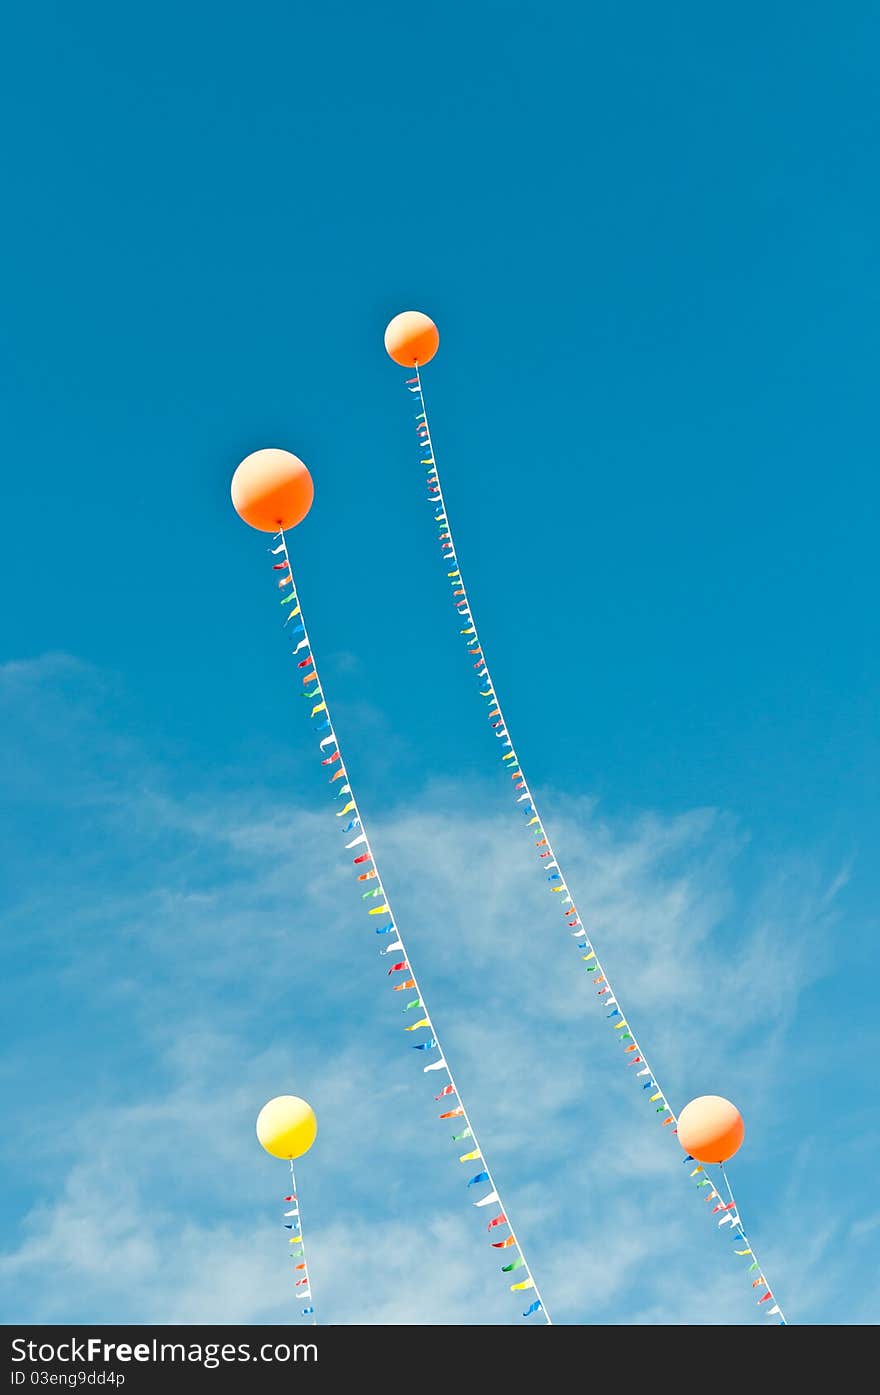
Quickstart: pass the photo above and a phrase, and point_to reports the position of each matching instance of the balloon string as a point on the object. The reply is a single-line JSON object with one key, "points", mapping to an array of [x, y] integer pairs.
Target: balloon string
{"points": [[549, 858], [741, 1231], [386, 900], [302, 1241]]}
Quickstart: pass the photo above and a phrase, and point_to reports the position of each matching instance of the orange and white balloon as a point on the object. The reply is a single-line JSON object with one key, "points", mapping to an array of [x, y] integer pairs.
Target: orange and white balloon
{"points": [[711, 1129], [272, 489], [412, 339]]}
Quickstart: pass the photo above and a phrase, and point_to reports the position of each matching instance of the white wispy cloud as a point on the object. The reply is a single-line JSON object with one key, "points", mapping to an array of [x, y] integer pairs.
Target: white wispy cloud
{"points": [[228, 959]]}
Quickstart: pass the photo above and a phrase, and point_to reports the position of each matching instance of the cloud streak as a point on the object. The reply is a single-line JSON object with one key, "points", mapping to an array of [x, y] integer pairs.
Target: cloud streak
{"points": [[212, 954]]}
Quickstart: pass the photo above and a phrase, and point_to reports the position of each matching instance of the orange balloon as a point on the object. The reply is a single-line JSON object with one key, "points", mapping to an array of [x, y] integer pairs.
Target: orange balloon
{"points": [[412, 338], [711, 1129], [272, 489]]}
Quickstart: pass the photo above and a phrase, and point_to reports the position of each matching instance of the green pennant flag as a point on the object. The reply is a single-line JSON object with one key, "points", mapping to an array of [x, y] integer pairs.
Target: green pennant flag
{"points": [[457, 1136], [515, 1264]]}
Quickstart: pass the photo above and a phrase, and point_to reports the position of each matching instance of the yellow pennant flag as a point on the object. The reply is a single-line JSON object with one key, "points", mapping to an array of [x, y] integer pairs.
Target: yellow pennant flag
{"points": [[347, 810], [379, 910], [526, 1283], [319, 707], [618, 1025], [468, 1157], [424, 1023]]}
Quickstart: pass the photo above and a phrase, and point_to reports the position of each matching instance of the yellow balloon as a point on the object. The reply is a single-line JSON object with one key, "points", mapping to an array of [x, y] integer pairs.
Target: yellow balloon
{"points": [[287, 1127]]}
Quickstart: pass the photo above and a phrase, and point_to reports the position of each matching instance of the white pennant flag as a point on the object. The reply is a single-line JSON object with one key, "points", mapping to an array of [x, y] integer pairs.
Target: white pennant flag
{"points": [[361, 838], [389, 949], [487, 1200], [326, 742], [303, 644], [435, 1065]]}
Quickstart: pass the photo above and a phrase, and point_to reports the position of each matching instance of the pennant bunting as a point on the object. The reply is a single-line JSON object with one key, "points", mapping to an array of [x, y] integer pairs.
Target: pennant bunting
{"points": [[523, 793], [365, 861]]}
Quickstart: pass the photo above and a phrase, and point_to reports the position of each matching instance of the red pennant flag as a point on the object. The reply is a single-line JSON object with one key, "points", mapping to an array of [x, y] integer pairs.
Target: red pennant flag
{"points": [[290, 1198], [330, 759], [364, 857], [447, 1090], [499, 1220], [395, 968]]}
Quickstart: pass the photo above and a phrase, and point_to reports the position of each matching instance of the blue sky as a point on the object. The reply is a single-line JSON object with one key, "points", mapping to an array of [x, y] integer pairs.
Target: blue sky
{"points": [[650, 245]]}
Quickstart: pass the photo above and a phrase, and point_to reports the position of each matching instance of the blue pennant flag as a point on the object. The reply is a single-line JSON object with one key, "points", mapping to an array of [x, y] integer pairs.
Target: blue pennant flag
{"points": [[480, 1177]]}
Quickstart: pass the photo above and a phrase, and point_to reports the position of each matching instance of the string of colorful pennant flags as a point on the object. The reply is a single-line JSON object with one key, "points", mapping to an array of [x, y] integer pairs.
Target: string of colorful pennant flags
{"points": [[632, 1051], [378, 905], [302, 1282]]}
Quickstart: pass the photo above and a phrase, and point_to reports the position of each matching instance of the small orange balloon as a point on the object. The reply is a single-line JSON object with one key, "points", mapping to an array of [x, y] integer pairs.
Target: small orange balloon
{"points": [[272, 489], [412, 338], [711, 1129]]}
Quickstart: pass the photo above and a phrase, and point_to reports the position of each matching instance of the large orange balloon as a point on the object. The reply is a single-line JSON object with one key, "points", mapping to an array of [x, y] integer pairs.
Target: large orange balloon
{"points": [[412, 338], [711, 1129], [272, 489]]}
